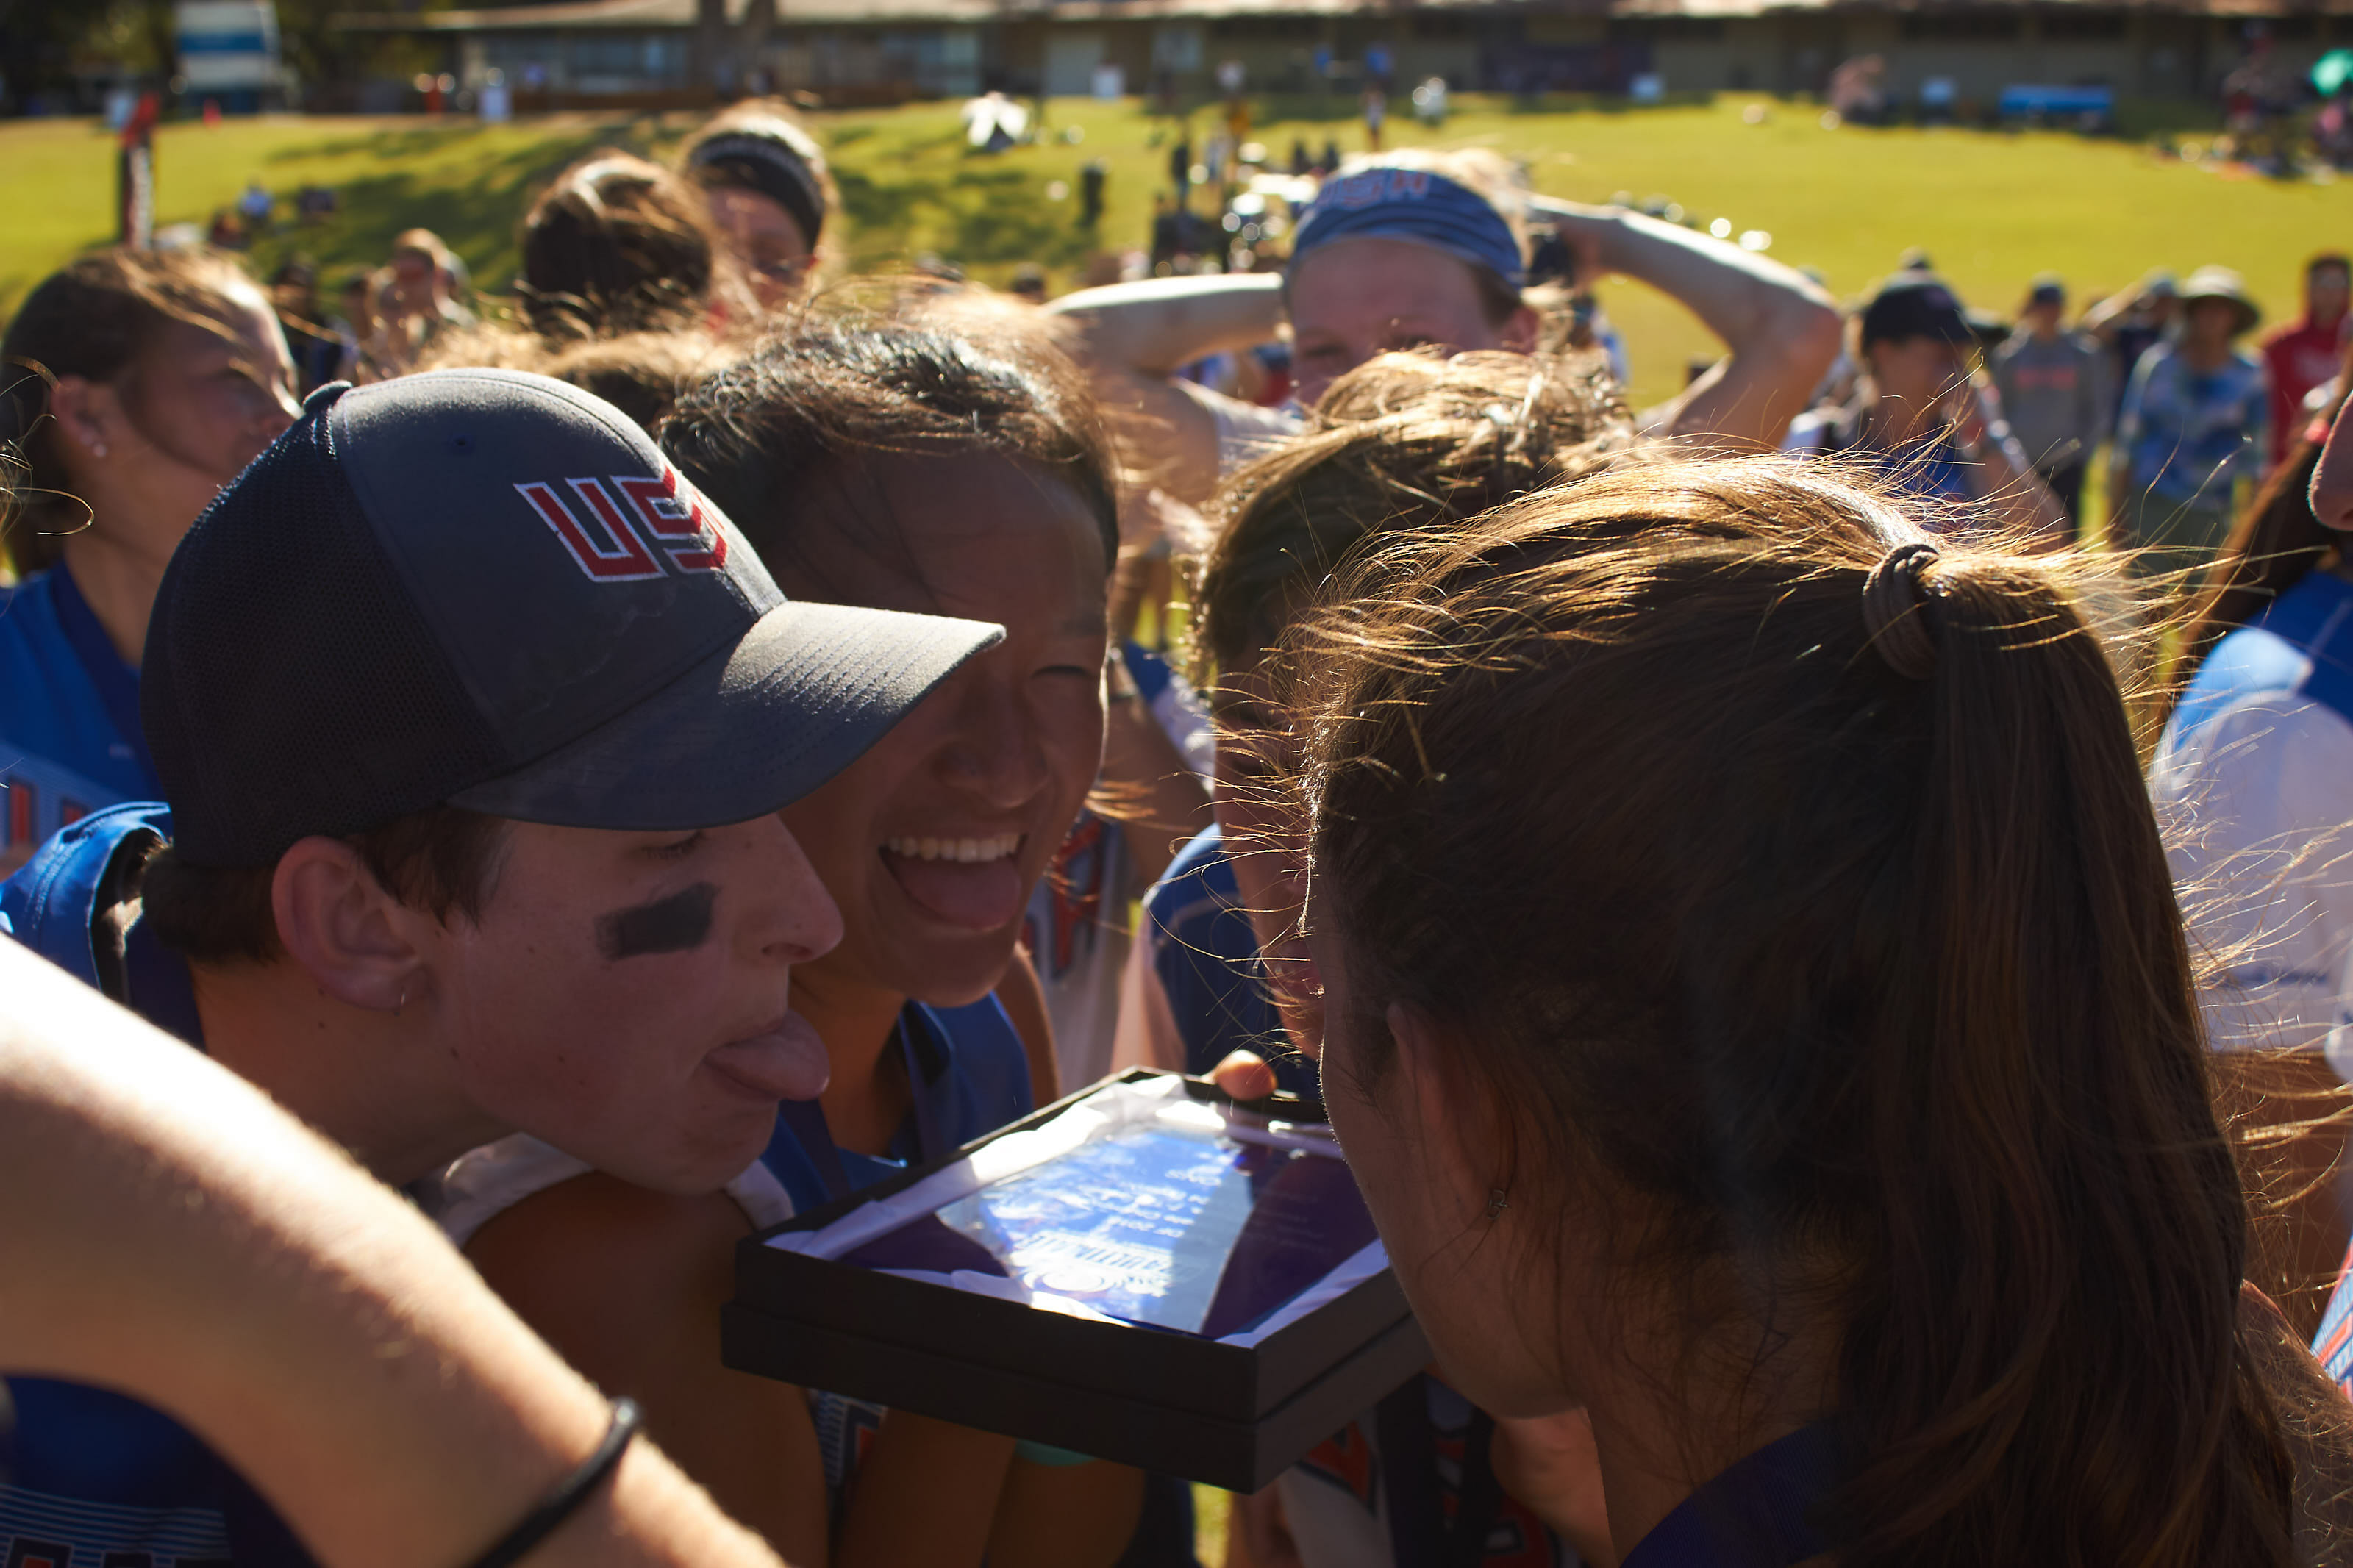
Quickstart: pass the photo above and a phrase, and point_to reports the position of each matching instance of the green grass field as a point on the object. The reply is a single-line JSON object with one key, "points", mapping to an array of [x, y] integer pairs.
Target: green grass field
{"points": [[1992, 208]]}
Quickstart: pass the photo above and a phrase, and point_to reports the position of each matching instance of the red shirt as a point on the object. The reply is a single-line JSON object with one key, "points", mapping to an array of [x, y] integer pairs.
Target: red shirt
{"points": [[2301, 357]]}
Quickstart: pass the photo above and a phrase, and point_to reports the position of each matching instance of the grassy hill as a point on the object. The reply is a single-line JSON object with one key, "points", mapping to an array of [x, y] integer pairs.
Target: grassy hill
{"points": [[1992, 208]]}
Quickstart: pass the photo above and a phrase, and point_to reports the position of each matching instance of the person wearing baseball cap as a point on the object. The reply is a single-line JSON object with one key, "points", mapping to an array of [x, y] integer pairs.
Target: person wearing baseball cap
{"points": [[1927, 423], [1418, 249], [473, 719], [2195, 421]]}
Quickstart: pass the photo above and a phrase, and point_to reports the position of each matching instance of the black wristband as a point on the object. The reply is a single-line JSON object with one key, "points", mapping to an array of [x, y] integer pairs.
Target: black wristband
{"points": [[565, 1500]]}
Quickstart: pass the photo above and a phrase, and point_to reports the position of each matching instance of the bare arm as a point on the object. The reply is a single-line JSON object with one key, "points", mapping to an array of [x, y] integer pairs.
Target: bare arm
{"points": [[301, 1317], [1131, 336], [1154, 326], [1782, 330]]}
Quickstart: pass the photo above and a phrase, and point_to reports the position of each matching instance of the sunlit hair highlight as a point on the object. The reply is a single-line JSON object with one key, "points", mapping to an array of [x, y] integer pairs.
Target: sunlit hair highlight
{"points": [[1868, 994], [1401, 441]]}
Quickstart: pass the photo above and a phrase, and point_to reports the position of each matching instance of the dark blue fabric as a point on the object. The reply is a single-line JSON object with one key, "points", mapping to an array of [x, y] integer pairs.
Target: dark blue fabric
{"points": [[972, 1075], [117, 683], [1754, 1515], [1205, 954], [65, 748], [1386, 202], [2302, 645], [51, 902]]}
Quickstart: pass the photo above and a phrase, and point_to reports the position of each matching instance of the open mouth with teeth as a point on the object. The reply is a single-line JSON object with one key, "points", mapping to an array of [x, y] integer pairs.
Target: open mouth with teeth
{"points": [[973, 883]]}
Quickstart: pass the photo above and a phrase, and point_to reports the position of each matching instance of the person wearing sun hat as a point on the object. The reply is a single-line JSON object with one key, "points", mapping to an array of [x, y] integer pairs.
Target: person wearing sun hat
{"points": [[2193, 425]]}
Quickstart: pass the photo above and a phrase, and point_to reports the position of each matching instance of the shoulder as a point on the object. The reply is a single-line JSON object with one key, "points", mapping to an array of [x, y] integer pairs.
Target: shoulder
{"points": [[562, 1251], [2269, 705], [1198, 879]]}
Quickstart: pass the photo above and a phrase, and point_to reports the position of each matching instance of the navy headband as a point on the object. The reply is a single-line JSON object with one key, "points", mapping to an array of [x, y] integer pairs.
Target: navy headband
{"points": [[1387, 202], [768, 163]]}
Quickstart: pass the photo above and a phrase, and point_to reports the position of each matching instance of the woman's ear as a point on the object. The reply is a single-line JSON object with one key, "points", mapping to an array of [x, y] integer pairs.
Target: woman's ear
{"points": [[86, 413], [1452, 1120], [337, 922]]}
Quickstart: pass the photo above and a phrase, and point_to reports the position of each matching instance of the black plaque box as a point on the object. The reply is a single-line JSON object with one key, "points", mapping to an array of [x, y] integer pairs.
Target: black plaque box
{"points": [[1084, 1350]]}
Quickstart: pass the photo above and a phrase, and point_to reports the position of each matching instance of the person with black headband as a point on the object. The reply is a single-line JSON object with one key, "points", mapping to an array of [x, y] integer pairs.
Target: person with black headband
{"points": [[770, 194], [1423, 249]]}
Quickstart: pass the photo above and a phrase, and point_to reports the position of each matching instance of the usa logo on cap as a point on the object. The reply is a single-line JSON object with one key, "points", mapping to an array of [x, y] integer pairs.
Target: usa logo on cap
{"points": [[608, 548]]}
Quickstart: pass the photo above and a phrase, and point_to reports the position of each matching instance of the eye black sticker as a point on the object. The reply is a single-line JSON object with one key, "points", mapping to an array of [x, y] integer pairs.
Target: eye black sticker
{"points": [[674, 924]]}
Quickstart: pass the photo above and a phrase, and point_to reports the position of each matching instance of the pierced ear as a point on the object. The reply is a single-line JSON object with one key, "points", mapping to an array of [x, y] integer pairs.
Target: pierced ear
{"points": [[84, 410], [339, 923]]}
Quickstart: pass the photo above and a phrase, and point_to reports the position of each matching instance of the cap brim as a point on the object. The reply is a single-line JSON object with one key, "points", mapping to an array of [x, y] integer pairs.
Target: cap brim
{"points": [[756, 726]]}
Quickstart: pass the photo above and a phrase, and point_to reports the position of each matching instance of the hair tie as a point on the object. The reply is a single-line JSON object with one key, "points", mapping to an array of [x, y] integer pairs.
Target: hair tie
{"points": [[1892, 605]]}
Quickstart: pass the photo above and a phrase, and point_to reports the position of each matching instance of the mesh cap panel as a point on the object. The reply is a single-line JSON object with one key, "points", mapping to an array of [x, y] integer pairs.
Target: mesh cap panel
{"points": [[289, 686]]}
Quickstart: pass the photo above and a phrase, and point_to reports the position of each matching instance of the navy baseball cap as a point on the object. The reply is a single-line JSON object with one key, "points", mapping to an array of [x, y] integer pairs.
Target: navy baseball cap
{"points": [[490, 590], [1915, 305]]}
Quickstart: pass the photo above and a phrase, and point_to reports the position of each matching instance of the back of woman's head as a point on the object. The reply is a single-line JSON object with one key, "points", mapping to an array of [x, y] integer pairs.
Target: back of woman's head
{"points": [[1842, 946], [761, 436], [93, 317], [614, 245], [1401, 442]]}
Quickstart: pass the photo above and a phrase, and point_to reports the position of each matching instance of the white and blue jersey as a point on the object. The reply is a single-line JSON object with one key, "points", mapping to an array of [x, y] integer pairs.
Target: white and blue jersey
{"points": [[94, 1480], [2254, 778], [69, 735]]}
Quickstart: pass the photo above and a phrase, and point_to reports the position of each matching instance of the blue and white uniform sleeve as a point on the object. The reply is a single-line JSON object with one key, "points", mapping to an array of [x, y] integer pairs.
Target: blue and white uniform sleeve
{"points": [[2262, 861]]}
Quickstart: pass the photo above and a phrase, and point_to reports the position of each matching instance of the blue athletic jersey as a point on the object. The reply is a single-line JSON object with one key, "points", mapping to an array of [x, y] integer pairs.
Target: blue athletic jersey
{"points": [[96, 1479], [972, 1077], [1205, 955], [69, 735], [2301, 645]]}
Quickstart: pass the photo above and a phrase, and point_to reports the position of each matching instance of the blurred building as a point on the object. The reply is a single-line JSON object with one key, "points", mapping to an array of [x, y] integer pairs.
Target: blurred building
{"points": [[586, 53]]}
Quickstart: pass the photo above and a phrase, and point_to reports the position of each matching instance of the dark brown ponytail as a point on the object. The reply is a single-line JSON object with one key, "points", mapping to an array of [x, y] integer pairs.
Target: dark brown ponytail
{"points": [[1869, 981]]}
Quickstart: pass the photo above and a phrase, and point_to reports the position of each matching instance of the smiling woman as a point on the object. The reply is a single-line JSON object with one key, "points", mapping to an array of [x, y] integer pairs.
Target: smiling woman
{"points": [[919, 468], [138, 384]]}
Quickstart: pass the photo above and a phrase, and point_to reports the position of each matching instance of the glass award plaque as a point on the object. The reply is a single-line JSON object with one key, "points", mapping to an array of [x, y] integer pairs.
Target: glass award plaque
{"points": [[1143, 1272], [1192, 1219]]}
